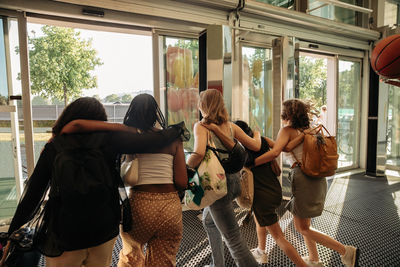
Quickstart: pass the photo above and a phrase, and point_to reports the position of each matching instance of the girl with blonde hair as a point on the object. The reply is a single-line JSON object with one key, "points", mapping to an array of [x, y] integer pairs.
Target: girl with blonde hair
{"points": [[219, 218]]}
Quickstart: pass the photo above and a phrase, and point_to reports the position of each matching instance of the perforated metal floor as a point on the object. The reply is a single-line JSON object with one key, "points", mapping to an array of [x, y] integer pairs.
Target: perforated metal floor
{"points": [[360, 211]]}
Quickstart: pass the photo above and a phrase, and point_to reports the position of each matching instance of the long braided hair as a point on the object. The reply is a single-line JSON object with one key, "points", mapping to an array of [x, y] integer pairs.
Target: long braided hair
{"points": [[143, 113]]}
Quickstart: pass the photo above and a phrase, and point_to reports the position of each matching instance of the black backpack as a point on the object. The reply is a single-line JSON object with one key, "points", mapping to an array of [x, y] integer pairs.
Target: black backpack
{"points": [[84, 189]]}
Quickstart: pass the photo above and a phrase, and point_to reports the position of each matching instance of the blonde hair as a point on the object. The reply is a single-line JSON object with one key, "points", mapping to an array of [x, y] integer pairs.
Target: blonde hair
{"points": [[212, 104]]}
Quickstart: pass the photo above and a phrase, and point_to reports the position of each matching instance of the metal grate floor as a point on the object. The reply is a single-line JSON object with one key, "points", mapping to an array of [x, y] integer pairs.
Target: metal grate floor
{"points": [[361, 211]]}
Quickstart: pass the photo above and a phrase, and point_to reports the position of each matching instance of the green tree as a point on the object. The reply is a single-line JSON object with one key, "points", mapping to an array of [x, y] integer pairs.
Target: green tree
{"points": [[347, 92], [312, 80], [127, 98], [112, 98], [3, 100], [61, 63]]}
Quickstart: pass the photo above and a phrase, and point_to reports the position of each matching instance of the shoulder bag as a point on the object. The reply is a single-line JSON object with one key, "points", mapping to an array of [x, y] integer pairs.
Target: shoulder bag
{"points": [[209, 182], [130, 169]]}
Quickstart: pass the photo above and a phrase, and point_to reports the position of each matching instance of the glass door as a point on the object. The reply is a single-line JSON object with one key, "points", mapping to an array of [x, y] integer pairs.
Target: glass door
{"points": [[393, 133], [10, 156], [179, 83], [348, 112], [317, 85], [256, 102]]}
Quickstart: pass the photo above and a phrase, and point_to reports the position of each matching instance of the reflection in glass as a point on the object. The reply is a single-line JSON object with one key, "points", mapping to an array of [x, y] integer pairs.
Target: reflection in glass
{"points": [[348, 112], [335, 13], [257, 86], [289, 4], [3, 68], [393, 134], [182, 82]]}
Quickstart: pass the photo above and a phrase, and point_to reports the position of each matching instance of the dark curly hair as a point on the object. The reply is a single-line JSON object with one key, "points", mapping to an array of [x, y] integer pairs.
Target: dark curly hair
{"points": [[85, 108], [297, 112]]}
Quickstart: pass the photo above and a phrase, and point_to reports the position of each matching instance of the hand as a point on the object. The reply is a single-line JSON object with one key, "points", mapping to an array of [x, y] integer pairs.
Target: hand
{"points": [[311, 130], [211, 126]]}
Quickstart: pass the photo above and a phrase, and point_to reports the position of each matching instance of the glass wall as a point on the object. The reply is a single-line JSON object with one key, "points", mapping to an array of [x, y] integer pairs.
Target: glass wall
{"points": [[393, 134], [336, 13], [3, 70], [112, 67], [8, 193], [348, 115], [8, 190], [181, 83], [289, 4], [313, 77], [257, 89], [335, 102], [392, 12]]}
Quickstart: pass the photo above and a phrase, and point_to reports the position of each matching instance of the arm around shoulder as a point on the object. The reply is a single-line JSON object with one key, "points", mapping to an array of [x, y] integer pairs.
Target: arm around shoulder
{"points": [[252, 143], [76, 126], [294, 142]]}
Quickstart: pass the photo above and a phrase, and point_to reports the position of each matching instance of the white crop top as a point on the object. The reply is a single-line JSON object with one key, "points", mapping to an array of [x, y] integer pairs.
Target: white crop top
{"points": [[290, 159], [155, 168]]}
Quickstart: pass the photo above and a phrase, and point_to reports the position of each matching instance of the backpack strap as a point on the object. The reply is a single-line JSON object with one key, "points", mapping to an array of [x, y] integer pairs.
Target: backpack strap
{"points": [[297, 161]]}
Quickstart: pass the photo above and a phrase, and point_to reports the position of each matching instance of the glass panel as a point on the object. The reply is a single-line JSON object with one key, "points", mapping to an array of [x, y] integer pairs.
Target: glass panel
{"points": [[391, 16], [335, 13], [289, 4], [181, 89], [8, 190], [313, 77], [8, 193], [257, 86], [115, 68], [3, 68], [348, 112], [393, 135]]}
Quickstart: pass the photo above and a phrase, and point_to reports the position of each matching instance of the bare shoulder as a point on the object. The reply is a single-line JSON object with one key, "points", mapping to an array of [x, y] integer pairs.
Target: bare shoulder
{"points": [[287, 130], [199, 128]]}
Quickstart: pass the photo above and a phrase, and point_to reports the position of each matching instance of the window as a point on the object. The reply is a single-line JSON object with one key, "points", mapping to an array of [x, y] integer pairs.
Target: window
{"points": [[257, 89], [3, 68], [113, 74], [325, 9], [393, 133], [348, 113], [180, 90], [281, 3]]}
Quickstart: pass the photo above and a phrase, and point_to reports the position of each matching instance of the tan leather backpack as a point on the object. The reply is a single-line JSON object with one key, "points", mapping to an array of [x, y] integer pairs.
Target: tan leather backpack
{"points": [[320, 157]]}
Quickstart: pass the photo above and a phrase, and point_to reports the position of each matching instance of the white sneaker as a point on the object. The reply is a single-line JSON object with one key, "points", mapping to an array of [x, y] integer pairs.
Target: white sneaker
{"points": [[260, 257], [311, 263], [350, 258]]}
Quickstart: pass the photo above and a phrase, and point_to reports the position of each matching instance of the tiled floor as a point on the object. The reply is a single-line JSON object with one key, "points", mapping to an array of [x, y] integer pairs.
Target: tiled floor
{"points": [[359, 210]]}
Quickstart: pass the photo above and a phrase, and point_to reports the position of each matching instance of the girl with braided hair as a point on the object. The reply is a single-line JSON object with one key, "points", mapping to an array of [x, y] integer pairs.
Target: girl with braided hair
{"points": [[155, 204]]}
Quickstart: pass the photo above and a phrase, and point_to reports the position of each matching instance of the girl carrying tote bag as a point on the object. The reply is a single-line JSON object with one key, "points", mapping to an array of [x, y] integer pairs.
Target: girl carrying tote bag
{"points": [[209, 182]]}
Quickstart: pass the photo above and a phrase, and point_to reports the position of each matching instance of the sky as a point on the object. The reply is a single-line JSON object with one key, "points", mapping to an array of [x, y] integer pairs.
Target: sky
{"points": [[127, 58]]}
